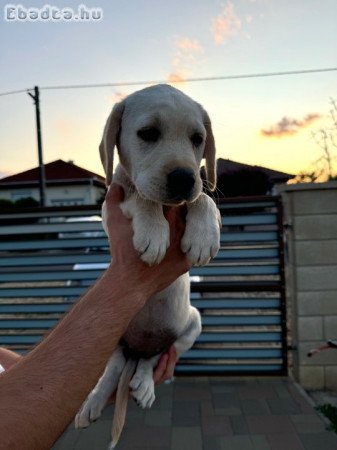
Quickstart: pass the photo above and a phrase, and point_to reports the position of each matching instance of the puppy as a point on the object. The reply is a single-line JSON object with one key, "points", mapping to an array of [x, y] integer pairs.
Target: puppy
{"points": [[161, 136]]}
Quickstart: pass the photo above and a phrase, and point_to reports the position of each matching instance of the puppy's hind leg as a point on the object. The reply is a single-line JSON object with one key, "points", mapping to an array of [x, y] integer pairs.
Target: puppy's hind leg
{"points": [[142, 385], [190, 333], [94, 404]]}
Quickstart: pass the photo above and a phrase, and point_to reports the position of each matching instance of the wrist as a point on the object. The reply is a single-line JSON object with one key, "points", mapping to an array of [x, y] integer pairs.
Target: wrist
{"points": [[134, 284]]}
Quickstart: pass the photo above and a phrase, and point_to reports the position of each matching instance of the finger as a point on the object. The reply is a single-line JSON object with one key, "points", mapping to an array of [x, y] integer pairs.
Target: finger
{"points": [[115, 193], [160, 369], [171, 364]]}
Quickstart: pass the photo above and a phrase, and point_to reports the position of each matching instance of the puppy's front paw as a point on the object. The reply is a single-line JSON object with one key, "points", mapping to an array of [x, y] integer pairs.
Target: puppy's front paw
{"points": [[90, 411], [142, 390], [151, 241], [201, 240]]}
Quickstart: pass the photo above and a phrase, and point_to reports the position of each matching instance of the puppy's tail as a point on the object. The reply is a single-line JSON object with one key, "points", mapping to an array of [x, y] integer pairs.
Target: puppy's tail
{"points": [[122, 401]]}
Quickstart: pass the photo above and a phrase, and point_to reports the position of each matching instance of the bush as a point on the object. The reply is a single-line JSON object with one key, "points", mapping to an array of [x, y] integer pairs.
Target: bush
{"points": [[6, 204], [330, 412], [26, 202]]}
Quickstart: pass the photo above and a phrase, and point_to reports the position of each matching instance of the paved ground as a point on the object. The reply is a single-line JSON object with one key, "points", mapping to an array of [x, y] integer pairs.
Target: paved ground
{"points": [[214, 414]]}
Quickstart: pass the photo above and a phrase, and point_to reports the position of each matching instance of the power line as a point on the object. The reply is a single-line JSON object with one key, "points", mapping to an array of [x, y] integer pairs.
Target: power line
{"points": [[216, 78], [15, 92]]}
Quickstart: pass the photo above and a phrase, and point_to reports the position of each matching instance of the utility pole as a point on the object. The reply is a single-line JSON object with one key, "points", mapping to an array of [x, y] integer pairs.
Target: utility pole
{"points": [[42, 178]]}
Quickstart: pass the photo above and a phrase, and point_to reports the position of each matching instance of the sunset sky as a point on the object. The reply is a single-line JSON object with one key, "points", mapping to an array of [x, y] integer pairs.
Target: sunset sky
{"points": [[264, 121]]}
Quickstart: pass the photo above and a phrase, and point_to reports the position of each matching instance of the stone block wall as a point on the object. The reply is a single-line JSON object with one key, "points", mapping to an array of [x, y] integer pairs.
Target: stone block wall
{"points": [[311, 279]]}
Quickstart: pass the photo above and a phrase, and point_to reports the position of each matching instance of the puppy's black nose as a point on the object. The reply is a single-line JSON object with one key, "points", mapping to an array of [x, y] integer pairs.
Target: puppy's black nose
{"points": [[180, 183]]}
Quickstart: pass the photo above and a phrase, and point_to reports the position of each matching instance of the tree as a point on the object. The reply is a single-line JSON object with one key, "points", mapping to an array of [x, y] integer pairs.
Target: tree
{"points": [[326, 139]]}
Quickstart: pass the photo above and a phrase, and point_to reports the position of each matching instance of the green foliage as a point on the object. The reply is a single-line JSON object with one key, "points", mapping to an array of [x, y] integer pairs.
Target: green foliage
{"points": [[6, 204], [330, 412], [26, 202]]}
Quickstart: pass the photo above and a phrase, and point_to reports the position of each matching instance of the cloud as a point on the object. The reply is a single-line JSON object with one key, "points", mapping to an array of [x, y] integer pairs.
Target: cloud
{"points": [[226, 25], [184, 59], [118, 96], [187, 44], [176, 77], [288, 126]]}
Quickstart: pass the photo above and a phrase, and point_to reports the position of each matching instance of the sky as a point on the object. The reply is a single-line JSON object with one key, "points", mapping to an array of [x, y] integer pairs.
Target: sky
{"points": [[259, 121]]}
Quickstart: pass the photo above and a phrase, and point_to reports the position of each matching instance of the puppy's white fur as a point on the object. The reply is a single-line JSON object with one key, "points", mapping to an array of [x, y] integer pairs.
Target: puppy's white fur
{"points": [[143, 171]]}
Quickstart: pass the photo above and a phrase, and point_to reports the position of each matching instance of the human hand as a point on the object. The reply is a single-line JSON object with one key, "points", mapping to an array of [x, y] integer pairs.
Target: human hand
{"points": [[125, 257], [165, 368]]}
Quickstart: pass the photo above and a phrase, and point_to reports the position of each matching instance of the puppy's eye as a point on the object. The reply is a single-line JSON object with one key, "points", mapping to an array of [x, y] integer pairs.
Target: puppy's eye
{"points": [[149, 134], [197, 139]]}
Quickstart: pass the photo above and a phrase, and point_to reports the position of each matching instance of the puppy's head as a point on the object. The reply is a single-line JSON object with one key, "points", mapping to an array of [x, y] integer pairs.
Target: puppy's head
{"points": [[161, 135]]}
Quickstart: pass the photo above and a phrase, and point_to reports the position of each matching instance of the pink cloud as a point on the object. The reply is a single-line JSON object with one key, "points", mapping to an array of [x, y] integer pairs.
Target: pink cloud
{"points": [[226, 25], [184, 59], [288, 126]]}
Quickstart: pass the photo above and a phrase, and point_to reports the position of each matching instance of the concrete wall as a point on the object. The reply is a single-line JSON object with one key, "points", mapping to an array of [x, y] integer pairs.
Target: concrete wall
{"points": [[311, 216]]}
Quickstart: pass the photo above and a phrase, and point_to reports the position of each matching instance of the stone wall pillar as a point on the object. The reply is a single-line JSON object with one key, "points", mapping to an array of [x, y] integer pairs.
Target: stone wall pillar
{"points": [[311, 275]]}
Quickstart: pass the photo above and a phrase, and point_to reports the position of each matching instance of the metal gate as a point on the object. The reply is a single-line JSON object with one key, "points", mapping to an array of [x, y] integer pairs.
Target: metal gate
{"points": [[241, 294], [48, 257]]}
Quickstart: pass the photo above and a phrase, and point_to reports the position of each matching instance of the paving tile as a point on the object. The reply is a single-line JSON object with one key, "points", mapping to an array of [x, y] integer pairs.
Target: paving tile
{"points": [[96, 436], [237, 443], [186, 438], [256, 392], [222, 388], [231, 411], [211, 443], [255, 407], [283, 406], [68, 439], [260, 442], [216, 426], [145, 436], [206, 408], [225, 400], [282, 441], [239, 424], [134, 446], [307, 423], [319, 441], [153, 417], [305, 406], [184, 393], [186, 414], [268, 424], [282, 391]]}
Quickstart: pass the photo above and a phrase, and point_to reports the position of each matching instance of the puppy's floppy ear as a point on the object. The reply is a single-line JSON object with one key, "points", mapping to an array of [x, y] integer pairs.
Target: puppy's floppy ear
{"points": [[209, 153], [109, 139]]}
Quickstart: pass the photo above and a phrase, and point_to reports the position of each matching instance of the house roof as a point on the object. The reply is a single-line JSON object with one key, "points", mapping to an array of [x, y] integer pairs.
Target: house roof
{"points": [[226, 166], [55, 171]]}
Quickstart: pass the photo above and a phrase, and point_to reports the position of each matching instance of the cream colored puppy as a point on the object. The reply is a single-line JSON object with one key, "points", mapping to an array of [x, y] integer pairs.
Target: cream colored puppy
{"points": [[162, 136]]}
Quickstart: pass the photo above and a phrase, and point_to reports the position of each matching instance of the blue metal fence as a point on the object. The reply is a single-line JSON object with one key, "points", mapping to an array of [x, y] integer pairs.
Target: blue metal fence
{"points": [[48, 258]]}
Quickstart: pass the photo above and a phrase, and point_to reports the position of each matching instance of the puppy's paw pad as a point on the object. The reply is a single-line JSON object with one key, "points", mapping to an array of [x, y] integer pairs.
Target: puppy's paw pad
{"points": [[90, 411], [142, 390]]}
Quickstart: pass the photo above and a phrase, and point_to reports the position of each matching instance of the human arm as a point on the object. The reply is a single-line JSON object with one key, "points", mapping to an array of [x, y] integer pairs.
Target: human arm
{"points": [[43, 391]]}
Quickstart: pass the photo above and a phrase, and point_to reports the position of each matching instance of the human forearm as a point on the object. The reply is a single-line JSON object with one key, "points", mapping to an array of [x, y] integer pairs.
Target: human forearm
{"points": [[62, 370]]}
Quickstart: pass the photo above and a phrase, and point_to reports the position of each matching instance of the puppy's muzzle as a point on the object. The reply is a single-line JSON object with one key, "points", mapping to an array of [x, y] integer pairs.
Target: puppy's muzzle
{"points": [[180, 184]]}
